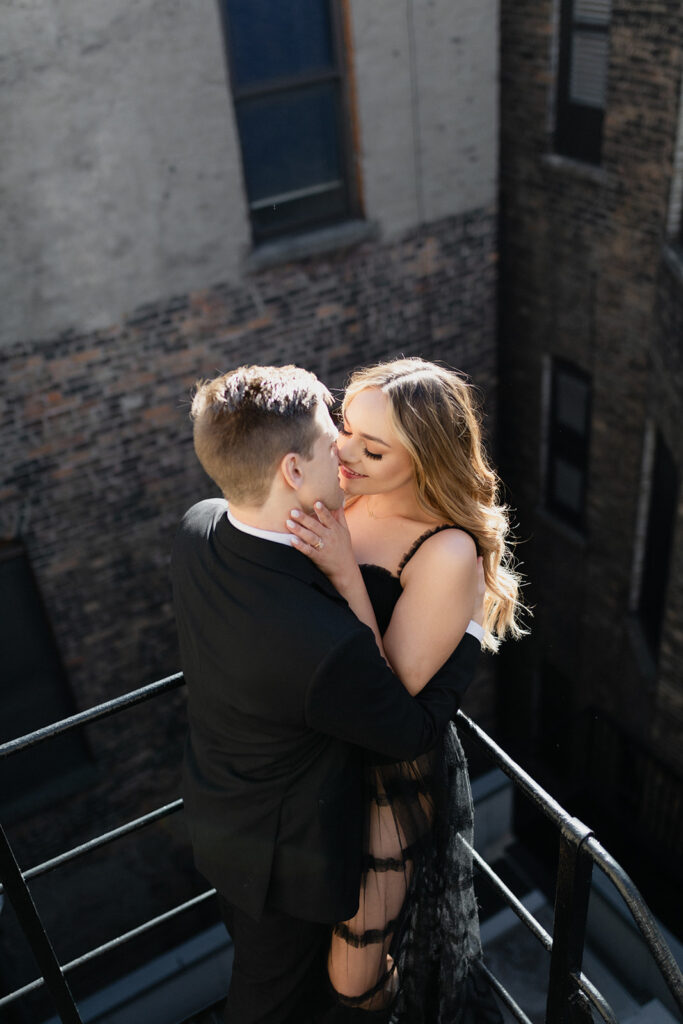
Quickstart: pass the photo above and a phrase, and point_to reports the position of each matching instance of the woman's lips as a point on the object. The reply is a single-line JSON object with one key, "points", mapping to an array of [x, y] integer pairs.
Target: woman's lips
{"points": [[349, 473]]}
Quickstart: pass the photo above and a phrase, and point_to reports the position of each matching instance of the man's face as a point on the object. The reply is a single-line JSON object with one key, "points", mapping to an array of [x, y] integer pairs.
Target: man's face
{"points": [[321, 471]]}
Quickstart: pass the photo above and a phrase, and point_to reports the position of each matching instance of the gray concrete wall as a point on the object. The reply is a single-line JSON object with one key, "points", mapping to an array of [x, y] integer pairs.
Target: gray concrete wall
{"points": [[427, 77], [120, 178]]}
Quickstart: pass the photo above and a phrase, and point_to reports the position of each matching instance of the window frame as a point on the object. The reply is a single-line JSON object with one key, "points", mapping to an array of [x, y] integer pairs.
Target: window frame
{"points": [[653, 585], [574, 449], [578, 127], [340, 75]]}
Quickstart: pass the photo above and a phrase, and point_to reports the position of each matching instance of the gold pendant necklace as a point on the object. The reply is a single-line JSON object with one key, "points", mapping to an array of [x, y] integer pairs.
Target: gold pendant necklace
{"points": [[372, 514]]}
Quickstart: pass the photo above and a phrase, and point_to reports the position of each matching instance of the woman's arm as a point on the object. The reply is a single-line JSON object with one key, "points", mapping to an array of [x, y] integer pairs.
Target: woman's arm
{"points": [[443, 587], [336, 559], [431, 616]]}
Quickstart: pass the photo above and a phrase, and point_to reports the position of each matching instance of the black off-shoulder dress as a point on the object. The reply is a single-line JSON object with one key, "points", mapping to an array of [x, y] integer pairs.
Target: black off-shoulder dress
{"points": [[413, 949]]}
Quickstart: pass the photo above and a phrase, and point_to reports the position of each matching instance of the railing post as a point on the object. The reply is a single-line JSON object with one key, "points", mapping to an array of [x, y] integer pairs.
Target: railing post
{"points": [[566, 1003], [41, 947]]}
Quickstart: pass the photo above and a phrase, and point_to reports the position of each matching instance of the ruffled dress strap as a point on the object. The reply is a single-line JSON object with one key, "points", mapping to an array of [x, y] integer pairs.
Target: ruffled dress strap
{"points": [[425, 536]]}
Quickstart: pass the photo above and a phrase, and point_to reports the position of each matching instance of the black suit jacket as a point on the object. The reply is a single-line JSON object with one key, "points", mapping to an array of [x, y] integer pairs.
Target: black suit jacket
{"points": [[285, 686]]}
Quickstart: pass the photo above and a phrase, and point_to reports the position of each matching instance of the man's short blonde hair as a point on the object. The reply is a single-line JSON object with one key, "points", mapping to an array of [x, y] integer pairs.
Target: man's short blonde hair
{"points": [[245, 421]]}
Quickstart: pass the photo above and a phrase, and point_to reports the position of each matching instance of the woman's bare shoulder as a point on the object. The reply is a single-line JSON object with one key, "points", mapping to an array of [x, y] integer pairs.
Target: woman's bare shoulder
{"points": [[447, 551]]}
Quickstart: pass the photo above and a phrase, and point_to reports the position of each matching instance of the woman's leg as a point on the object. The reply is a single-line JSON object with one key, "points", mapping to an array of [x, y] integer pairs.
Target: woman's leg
{"points": [[359, 965], [400, 820]]}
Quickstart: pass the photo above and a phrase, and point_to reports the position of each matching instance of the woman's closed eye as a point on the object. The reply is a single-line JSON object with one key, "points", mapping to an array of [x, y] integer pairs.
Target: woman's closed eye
{"points": [[371, 455]]}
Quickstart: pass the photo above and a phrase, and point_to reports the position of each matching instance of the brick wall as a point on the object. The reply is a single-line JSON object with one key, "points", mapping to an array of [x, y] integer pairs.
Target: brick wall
{"points": [[583, 278], [665, 400], [98, 459]]}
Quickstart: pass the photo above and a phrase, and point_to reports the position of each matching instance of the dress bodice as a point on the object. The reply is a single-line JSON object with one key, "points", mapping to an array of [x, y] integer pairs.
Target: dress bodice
{"points": [[384, 588]]}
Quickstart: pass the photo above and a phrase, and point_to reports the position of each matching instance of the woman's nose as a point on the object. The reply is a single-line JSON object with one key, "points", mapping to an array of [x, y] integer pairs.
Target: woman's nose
{"points": [[342, 446]]}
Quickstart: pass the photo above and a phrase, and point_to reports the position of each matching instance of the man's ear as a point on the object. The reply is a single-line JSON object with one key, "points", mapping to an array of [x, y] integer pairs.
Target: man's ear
{"points": [[291, 468]]}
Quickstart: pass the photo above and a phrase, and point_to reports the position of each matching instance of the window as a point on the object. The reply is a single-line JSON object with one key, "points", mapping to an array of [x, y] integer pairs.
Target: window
{"points": [[288, 88], [33, 692], [568, 437], [658, 541], [582, 78]]}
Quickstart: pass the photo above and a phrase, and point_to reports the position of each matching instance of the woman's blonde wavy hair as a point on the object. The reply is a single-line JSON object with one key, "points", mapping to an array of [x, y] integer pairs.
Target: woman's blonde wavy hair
{"points": [[438, 421]]}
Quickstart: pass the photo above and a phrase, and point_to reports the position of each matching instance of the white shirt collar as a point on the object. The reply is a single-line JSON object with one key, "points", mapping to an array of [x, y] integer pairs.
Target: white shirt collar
{"points": [[277, 538]]}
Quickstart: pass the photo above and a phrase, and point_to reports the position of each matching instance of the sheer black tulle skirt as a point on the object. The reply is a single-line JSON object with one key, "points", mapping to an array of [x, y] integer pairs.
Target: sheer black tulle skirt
{"points": [[413, 948]]}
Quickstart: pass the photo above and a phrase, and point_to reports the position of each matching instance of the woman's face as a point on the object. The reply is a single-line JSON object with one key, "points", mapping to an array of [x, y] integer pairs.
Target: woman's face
{"points": [[372, 459]]}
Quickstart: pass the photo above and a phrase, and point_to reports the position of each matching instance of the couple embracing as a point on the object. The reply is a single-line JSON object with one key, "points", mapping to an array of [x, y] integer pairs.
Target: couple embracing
{"points": [[331, 609]]}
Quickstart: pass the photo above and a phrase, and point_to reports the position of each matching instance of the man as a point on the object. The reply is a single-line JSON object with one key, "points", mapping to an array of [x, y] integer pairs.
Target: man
{"points": [[285, 686]]}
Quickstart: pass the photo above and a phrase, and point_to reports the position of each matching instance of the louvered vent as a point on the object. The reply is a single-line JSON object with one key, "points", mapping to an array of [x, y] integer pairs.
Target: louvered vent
{"points": [[582, 78], [595, 12], [588, 72]]}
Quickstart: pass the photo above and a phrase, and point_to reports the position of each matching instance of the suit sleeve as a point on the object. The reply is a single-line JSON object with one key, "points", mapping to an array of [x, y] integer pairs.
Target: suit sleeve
{"points": [[354, 696]]}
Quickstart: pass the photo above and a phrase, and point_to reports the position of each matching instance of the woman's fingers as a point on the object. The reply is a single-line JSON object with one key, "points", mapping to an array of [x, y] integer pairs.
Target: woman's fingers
{"points": [[307, 549], [321, 531], [310, 537], [325, 540], [324, 515], [303, 519]]}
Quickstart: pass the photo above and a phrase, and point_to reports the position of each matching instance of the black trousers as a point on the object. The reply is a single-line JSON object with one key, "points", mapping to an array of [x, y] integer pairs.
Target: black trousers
{"points": [[279, 974]]}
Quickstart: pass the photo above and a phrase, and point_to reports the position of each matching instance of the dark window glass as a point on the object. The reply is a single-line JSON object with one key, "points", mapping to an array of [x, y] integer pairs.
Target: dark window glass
{"points": [[582, 78], [660, 529], [289, 143], [568, 443], [270, 39], [288, 90], [33, 689]]}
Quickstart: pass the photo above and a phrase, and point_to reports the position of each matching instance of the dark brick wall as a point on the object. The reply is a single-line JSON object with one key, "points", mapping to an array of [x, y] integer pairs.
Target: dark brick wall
{"points": [[665, 400], [97, 452], [583, 278]]}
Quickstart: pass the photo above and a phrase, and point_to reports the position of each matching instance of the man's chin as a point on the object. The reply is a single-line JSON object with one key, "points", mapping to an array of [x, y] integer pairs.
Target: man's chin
{"points": [[338, 501], [333, 502]]}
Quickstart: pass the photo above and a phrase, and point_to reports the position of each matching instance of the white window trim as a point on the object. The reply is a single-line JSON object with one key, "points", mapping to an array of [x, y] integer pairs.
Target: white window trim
{"points": [[554, 61], [675, 218], [642, 514]]}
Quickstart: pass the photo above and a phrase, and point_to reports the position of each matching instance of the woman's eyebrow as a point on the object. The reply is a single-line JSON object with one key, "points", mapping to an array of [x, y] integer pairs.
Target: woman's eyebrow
{"points": [[368, 437]]}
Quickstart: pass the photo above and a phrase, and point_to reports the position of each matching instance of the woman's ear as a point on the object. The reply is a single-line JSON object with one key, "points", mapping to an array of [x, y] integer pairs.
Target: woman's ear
{"points": [[291, 470]]}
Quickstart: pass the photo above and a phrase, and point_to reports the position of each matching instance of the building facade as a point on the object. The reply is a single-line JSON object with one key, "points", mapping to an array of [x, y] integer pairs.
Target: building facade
{"points": [[591, 409], [188, 187]]}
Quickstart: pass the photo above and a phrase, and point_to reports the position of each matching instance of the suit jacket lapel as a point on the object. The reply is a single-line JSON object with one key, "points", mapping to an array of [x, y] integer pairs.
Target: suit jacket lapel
{"points": [[277, 557]]}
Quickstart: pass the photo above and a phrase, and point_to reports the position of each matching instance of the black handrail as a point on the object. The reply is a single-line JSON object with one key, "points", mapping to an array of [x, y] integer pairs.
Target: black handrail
{"points": [[570, 993], [566, 994], [583, 849], [102, 840], [109, 707]]}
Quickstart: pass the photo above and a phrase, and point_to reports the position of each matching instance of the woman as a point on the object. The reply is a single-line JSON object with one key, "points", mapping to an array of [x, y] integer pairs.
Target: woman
{"points": [[421, 508]]}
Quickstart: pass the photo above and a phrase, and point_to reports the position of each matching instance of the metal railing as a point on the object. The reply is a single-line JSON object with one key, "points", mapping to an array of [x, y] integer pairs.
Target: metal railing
{"points": [[570, 993]]}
